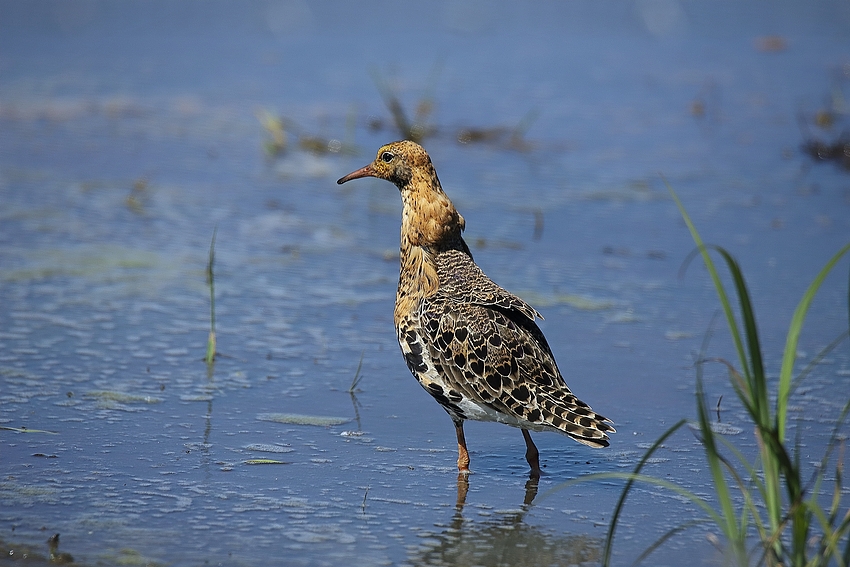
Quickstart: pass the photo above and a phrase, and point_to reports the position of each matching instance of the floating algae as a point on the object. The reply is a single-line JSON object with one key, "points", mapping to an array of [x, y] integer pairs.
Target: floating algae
{"points": [[580, 302], [300, 419], [269, 448], [121, 397], [27, 430]]}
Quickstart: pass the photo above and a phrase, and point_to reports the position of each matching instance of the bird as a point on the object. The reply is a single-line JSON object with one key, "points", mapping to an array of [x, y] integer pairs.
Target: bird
{"points": [[474, 346]]}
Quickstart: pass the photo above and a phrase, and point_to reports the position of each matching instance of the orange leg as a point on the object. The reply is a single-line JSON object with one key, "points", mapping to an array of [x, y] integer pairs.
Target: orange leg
{"points": [[532, 455], [462, 453]]}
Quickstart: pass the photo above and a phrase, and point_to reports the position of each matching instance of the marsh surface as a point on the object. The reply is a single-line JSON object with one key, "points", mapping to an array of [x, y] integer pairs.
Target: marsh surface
{"points": [[130, 131]]}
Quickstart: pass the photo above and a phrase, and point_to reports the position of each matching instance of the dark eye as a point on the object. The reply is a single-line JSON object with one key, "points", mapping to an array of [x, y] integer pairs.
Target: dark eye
{"points": [[387, 156]]}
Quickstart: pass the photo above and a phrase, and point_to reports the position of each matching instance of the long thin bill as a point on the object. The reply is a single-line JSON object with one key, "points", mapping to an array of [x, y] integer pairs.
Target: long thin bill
{"points": [[366, 171]]}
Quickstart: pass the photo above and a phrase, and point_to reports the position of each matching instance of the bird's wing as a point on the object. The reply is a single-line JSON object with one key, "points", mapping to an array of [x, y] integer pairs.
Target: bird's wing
{"points": [[491, 350], [492, 361]]}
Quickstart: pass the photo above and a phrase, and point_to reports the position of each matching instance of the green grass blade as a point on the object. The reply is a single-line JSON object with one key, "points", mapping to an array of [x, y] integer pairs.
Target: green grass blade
{"points": [[609, 538], [738, 384], [778, 469], [790, 353], [757, 383], [771, 452], [673, 487], [660, 541], [839, 467], [818, 358], [209, 357], [715, 462], [725, 304], [749, 503], [799, 513], [831, 537], [713, 455], [357, 376]]}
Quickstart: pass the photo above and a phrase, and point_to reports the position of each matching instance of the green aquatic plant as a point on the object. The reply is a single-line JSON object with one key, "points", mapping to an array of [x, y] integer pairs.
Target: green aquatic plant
{"points": [[509, 138], [769, 498], [274, 126], [281, 129], [355, 382], [209, 358], [778, 503], [418, 129]]}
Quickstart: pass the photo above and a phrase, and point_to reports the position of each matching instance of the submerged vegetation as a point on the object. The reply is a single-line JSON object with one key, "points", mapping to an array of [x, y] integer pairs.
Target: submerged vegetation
{"points": [[770, 500], [284, 135], [281, 129], [825, 135], [420, 126]]}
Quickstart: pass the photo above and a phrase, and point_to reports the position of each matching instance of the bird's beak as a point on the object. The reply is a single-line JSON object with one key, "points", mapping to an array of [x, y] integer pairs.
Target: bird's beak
{"points": [[367, 171]]}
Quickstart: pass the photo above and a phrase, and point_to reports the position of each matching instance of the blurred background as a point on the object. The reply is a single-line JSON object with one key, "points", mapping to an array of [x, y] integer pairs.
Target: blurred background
{"points": [[131, 131]]}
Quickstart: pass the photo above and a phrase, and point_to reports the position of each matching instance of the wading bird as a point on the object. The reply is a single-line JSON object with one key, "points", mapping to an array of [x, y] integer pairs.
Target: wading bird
{"points": [[472, 345]]}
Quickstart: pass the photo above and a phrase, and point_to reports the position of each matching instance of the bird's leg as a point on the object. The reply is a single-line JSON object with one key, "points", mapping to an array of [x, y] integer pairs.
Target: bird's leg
{"points": [[462, 453], [532, 455]]}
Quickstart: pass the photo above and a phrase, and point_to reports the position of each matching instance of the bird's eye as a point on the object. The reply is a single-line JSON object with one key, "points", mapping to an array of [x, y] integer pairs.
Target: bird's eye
{"points": [[387, 157]]}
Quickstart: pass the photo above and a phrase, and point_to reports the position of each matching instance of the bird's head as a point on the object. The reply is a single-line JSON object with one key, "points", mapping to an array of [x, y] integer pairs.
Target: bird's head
{"points": [[398, 163], [429, 219]]}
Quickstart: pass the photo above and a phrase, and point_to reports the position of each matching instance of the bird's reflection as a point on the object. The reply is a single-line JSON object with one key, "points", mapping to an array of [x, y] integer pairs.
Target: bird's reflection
{"points": [[463, 487], [502, 539]]}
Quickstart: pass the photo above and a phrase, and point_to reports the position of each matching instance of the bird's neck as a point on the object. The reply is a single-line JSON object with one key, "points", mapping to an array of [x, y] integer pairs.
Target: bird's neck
{"points": [[430, 224], [428, 218]]}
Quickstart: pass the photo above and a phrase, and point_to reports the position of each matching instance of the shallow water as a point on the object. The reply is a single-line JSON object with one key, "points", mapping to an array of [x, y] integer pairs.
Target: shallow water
{"points": [[129, 133]]}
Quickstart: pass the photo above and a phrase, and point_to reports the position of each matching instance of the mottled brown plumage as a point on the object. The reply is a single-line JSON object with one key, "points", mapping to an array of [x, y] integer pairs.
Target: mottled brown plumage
{"points": [[472, 345]]}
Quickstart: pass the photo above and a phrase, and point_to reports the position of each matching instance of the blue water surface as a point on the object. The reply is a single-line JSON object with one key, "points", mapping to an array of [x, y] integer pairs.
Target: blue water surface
{"points": [[130, 132]]}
